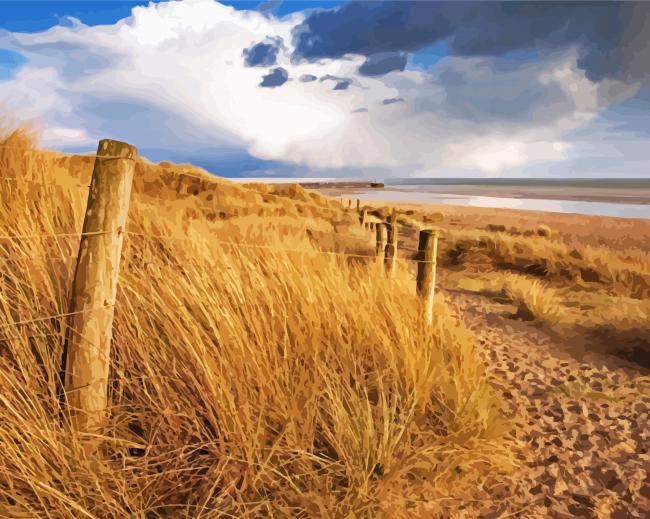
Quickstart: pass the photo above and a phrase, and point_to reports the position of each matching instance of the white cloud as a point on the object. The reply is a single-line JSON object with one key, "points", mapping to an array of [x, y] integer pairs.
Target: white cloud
{"points": [[56, 136], [34, 93], [172, 76], [496, 155]]}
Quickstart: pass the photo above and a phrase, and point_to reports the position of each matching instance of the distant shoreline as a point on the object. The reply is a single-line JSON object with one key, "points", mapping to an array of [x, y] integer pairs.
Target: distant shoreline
{"points": [[562, 201], [565, 193], [615, 191], [315, 183], [617, 232]]}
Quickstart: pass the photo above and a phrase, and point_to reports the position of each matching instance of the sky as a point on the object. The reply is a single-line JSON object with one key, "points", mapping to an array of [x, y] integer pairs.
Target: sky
{"points": [[338, 89]]}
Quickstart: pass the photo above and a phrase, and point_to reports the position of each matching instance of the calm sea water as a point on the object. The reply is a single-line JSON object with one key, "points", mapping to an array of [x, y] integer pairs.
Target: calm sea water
{"points": [[622, 210], [614, 194]]}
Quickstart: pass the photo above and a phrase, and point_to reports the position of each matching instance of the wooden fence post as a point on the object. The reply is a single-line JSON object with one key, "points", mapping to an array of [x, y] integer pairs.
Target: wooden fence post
{"points": [[391, 248], [426, 278], [363, 218], [358, 205], [380, 248], [86, 354]]}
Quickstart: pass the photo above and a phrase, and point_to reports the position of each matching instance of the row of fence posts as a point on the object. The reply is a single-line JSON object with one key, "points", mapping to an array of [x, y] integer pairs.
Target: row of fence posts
{"points": [[386, 251], [87, 349]]}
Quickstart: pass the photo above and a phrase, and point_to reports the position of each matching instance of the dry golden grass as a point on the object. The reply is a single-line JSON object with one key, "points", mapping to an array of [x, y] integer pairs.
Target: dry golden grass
{"points": [[626, 272], [594, 296], [544, 231], [536, 300], [245, 381]]}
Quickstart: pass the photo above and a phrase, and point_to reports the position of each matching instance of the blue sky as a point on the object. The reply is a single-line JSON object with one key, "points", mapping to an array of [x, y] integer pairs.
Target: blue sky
{"points": [[35, 15], [321, 88]]}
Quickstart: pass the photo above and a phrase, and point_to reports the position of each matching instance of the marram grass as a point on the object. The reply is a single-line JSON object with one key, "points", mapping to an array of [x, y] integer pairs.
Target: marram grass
{"points": [[245, 382]]}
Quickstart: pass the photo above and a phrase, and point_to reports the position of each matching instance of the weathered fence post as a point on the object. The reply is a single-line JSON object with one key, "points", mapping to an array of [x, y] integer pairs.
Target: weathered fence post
{"points": [[358, 205], [426, 278], [86, 355], [391, 248], [380, 248], [349, 203], [363, 218]]}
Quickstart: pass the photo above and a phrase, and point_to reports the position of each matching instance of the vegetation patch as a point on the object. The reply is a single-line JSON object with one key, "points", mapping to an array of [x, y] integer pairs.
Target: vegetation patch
{"points": [[251, 375]]}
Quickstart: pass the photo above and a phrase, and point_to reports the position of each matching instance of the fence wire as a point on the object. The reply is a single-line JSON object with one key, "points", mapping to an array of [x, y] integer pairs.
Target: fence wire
{"points": [[19, 257], [274, 248], [17, 179], [55, 235], [55, 316], [236, 245], [92, 155], [27, 337]]}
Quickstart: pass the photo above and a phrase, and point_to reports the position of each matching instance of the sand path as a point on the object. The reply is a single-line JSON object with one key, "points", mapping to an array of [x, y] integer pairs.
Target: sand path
{"points": [[583, 424]]}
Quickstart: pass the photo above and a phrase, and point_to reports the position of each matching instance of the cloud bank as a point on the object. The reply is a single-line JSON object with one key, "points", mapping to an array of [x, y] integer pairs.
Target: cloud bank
{"points": [[608, 34], [330, 92]]}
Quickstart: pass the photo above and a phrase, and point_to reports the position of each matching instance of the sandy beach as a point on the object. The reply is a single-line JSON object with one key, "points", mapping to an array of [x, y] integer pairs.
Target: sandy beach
{"points": [[624, 191], [618, 233], [538, 337]]}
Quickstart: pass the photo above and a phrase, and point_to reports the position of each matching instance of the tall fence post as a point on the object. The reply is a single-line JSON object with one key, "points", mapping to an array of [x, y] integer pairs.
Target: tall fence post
{"points": [[426, 278], [358, 205], [86, 355], [380, 248], [363, 218], [391, 248]]}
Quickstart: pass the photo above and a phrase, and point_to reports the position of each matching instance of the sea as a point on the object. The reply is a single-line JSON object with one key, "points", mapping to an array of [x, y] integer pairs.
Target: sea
{"points": [[622, 197]]}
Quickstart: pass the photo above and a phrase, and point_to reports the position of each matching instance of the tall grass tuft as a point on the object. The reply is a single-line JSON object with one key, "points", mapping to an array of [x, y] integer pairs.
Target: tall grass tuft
{"points": [[536, 300], [626, 272]]}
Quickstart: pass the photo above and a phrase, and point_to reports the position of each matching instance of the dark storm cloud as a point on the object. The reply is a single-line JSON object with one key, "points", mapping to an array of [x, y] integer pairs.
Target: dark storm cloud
{"points": [[383, 63], [263, 54], [611, 35], [277, 77], [370, 27], [494, 93], [393, 100], [342, 83]]}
